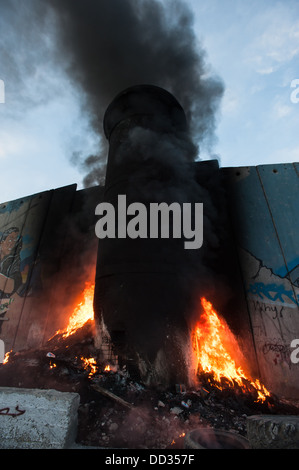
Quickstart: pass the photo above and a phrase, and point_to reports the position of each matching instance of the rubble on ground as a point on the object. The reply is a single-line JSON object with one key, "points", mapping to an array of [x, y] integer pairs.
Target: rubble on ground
{"points": [[118, 411]]}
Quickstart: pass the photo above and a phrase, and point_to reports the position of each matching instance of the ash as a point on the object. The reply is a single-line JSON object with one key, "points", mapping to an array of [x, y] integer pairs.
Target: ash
{"points": [[118, 411]]}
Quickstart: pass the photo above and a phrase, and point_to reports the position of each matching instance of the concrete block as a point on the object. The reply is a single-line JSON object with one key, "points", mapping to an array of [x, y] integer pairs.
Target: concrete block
{"points": [[37, 419], [273, 431]]}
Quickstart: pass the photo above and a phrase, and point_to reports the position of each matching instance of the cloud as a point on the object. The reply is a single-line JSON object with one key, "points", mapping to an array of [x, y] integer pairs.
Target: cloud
{"points": [[9, 145], [267, 71], [276, 40], [281, 110]]}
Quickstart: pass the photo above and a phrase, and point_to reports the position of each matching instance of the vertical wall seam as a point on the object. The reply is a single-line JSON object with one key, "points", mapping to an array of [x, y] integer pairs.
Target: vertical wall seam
{"points": [[277, 236], [279, 242]]}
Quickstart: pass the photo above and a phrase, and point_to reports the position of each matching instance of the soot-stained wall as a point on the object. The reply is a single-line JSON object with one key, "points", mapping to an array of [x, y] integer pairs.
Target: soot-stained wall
{"points": [[47, 253], [53, 253]]}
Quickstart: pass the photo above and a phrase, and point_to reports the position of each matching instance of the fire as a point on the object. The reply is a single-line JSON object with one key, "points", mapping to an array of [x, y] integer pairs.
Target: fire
{"points": [[92, 365], [183, 434], [89, 364], [82, 313], [212, 354], [6, 357]]}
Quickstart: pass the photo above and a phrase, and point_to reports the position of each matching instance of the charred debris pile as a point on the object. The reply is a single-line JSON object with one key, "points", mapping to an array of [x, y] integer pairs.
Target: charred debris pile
{"points": [[119, 411]]}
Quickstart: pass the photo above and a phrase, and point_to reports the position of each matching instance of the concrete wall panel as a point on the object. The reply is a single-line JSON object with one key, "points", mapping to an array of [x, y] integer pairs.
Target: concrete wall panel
{"points": [[55, 254], [55, 238], [264, 210]]}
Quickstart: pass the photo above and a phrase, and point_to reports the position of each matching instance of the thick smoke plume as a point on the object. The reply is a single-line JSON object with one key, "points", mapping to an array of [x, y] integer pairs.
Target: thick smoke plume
{"points": [[97, 48], [108, 46]]}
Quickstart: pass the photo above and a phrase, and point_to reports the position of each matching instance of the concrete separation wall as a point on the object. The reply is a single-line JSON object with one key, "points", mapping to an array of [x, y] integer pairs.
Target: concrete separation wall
{"points": [[264, 202], [56, 247], [37, 419], [48, 250]]}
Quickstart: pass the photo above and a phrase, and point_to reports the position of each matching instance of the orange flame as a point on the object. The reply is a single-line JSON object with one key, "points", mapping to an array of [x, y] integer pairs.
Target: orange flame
{"points": [[183, 434], [89, 363], [82, 313], [6, 357], [211, 352], [107, 369]]}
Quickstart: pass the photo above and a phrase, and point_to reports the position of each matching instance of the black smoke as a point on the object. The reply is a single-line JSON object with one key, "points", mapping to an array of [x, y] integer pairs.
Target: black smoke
{"points": [[107, 46], [98, 48]]}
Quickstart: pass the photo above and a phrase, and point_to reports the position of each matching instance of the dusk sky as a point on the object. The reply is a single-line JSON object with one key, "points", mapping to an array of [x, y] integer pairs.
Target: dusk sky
{"points": [[253, 47]]}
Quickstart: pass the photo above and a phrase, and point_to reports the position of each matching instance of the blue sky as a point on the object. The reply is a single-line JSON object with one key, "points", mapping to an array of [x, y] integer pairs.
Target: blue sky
{"points": [[253, 46]]}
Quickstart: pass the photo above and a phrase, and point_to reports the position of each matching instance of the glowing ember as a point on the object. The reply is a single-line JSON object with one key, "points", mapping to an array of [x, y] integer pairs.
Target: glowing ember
{"points": [[212, 353], [89, 364], [82, 313], [183, 434], [6, 357]]}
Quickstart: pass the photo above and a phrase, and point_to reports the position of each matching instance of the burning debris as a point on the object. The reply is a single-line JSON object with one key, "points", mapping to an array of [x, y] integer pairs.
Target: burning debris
{"points": [[214, 347], [82, 313], [142, 290], [118, 411], [6, 357]]}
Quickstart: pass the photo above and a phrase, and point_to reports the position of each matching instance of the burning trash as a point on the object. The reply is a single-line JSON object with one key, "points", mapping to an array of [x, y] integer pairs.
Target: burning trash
{"points": [[6, 357], [90, 365], [82, 313], [118, 411], [214, 346]]}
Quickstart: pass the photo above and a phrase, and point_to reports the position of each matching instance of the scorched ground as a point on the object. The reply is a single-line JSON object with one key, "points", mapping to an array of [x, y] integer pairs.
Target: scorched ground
{"points": [[118, 411]]}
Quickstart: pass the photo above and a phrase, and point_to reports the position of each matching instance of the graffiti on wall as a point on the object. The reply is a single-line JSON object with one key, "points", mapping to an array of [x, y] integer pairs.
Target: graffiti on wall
{"points": [[37, 290], [20, 276], [279, 352], [264, 206], [273, 292], [10, 268], [263, 285], [273, 306]]}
